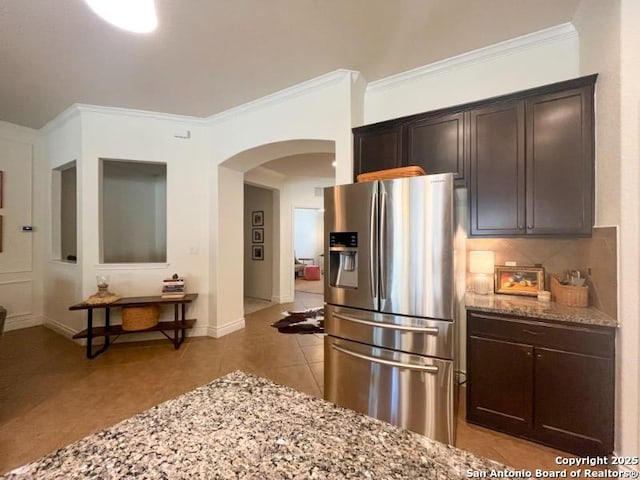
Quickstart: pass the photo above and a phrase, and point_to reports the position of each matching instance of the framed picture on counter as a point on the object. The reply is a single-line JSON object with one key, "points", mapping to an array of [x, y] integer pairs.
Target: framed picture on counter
{"points": [[519, 280]]}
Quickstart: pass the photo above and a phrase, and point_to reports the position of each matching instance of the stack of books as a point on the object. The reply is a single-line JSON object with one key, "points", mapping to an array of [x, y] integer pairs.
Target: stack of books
{"points": [[173, 288]]}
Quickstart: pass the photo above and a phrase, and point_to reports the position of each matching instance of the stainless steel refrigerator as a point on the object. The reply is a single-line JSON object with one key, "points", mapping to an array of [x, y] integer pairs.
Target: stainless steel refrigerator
{"points": [[389, 301]]}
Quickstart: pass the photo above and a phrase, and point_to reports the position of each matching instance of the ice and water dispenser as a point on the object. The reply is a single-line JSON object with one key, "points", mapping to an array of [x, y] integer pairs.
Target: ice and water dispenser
{"points": [[343, 259]]}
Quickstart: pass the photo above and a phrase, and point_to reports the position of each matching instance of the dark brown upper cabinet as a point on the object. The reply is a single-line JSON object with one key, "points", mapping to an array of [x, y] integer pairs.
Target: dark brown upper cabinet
{"points": [[432, 141], [527, 157], [532, 163], [560, 162], [497, 160], [437, 145], [377, 149]]}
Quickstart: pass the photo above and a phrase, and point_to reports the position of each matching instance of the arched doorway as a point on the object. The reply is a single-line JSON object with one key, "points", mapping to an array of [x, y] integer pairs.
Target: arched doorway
{"points": [[229, 248]]}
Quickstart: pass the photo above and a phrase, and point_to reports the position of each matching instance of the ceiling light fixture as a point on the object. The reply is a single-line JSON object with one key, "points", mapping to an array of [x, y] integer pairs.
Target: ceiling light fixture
{"points": [[138, 16]]}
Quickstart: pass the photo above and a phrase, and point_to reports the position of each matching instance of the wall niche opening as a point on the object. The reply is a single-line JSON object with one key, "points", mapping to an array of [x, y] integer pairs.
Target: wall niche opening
{"points": [[133, 211], [64, 212]]}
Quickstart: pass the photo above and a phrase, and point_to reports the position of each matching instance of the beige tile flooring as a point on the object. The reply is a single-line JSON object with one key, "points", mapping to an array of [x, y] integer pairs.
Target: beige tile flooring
{"points": [[51, 395]]}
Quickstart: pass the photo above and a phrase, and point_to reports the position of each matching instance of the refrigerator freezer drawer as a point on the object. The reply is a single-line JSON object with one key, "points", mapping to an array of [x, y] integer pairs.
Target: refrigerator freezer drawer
{"points": [[409, 391], [419, 336]]}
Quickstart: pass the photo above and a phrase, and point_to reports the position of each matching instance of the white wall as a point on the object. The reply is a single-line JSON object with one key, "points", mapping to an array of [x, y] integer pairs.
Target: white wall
{"points": [[628, 358], [258, 274], [317, 110], [529, 61], [20, 277], [308, 233], [62, 280], [598, 24], [88, 134]]}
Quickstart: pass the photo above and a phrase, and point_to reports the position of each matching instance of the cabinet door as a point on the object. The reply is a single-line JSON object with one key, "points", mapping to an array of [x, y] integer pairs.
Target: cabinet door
{"points": [[437, 145], [500, 384], [560, 163], [377, 148], [497, 166], [573, 404]]}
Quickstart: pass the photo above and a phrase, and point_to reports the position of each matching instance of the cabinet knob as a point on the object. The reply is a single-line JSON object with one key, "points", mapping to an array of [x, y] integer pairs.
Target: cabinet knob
{"points": [[530, 226], [539, 355], [528, 354], [521, 226]]}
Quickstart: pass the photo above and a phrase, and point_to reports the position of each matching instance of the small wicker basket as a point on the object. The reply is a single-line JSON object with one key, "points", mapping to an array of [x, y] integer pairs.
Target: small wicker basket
{"points": [[390, 173], [568, 294], [139, 318]]}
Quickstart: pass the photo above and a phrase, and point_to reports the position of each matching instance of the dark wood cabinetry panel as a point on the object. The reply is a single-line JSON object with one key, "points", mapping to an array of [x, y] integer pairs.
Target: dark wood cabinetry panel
{"points": [[564, 372], [377, 149], [497, 157], [585, 383], [560, 163], [500, 386], [554, 193], [527, 157], [437, 145]]}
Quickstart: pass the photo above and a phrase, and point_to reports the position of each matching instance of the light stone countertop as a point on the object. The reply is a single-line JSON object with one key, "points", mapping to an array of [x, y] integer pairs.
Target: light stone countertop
{"points": [[242, 426], [531, 307]]}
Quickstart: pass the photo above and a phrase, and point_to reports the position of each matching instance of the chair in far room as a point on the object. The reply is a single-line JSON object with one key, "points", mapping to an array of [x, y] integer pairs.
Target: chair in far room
{"points": [[298, 267]]}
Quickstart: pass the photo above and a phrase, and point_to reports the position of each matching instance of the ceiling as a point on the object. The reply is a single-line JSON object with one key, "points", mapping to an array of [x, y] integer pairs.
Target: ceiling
{"points": [[305, 165], [210, 55]]}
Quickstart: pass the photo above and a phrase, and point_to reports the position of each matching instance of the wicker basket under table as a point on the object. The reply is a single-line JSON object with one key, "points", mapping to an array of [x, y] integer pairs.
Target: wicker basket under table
{"points": [[140, 318]]}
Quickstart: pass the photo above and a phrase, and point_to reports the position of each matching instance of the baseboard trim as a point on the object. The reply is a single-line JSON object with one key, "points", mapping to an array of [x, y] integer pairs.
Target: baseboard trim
{"points": [[59, 327], [226, 329], [19, 322]]}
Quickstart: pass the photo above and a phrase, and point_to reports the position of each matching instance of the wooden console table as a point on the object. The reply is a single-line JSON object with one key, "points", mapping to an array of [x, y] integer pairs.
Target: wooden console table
{"points": [[179, 324]]}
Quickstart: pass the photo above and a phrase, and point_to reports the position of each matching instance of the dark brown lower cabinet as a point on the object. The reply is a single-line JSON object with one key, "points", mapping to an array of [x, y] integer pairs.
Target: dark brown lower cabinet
{"points": [[550, 383], [503, 388]]}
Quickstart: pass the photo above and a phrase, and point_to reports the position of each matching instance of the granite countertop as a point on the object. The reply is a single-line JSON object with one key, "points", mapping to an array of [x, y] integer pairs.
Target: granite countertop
{"points": [[531, 307], [242, 426]]}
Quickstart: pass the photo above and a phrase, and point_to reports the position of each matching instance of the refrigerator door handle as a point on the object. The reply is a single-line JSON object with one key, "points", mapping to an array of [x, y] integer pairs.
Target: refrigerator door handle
{"points": [[382, 244], [391, 326], [373, 226], [424, 368]]}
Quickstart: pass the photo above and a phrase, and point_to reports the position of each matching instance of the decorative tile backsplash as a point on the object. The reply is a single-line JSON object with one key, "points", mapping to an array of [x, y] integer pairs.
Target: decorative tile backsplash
{"points": [[596, 255]]}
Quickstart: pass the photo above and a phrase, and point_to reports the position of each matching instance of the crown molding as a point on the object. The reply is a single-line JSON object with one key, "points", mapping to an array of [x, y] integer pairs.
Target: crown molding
{"points": [[61, 119], [294, 91], [299, 89], [129, 112], [78, 108], [553, 34]]}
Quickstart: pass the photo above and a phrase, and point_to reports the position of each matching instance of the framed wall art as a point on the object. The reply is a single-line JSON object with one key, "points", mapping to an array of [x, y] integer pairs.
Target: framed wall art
{"points": [[258, 235], [519, 280], [257, 218], [257, 252]]}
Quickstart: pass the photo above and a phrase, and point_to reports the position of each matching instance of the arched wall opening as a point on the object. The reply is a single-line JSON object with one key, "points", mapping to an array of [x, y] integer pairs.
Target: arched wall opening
{"points": [[232, 174]]}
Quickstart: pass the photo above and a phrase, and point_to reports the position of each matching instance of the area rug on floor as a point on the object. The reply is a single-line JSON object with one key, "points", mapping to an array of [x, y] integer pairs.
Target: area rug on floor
{"points": [[242, 426], [310, 320]]}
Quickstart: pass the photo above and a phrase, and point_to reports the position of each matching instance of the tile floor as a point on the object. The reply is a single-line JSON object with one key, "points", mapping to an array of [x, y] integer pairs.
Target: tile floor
{"points": [[51, 395]]}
